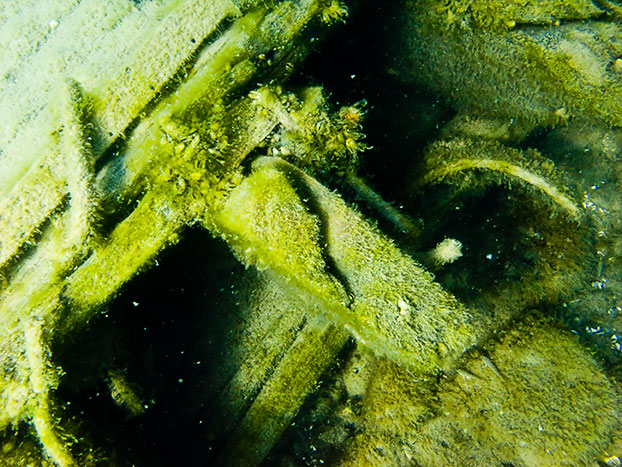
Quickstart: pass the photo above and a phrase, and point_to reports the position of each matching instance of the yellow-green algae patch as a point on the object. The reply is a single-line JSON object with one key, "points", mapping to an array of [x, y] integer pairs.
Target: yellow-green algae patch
{"points": [[534, 397], [542, 66], [447, 160], [392, 304], [337, 273]]}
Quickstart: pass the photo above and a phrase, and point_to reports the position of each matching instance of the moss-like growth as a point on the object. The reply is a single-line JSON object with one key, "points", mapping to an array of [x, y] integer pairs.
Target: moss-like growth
{"points": [[312, 136], [456, 160], [535, 398], [551, 393], [318, 272], [541, 67], [507, 14], [394, 307]]}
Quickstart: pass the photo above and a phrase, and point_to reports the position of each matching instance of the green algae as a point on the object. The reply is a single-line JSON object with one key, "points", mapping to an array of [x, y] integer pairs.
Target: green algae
{"points": [[386, 300], [74, 286], [448, 159], [544, 63], [207, 145], [533, 398]]}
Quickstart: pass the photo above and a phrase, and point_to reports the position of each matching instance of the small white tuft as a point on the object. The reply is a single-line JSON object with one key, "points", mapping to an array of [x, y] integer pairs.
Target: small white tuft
{"points": [[447, 251]]}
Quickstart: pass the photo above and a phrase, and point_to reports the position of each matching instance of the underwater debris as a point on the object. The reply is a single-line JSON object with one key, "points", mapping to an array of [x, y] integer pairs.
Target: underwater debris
{"points": [[446, 161], [547, 409], [125, 394], [73, 286], [543, 61], [370, 276], [196, 140]]}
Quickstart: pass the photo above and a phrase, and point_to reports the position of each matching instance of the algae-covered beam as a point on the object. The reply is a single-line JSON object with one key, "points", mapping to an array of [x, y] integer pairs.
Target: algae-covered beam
{"points": [[32, 177], [261, 42], [298, 374], [446, 161], [336, 258], [162, 40]]}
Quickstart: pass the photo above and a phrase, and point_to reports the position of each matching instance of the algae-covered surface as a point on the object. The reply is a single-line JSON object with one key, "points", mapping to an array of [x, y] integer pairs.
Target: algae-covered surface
{"points": [[310, 232]]}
